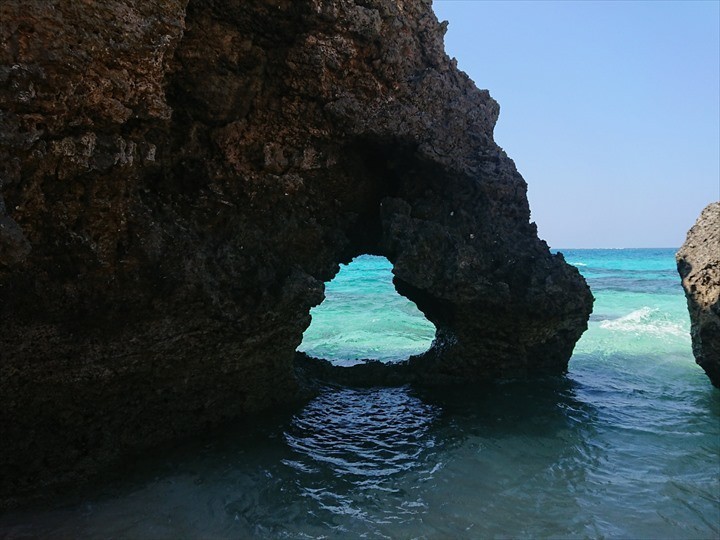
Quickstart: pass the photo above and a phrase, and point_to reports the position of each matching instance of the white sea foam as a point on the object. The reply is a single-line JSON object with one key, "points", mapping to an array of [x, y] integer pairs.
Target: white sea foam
{"points": [[648, 321], [575, 263]]}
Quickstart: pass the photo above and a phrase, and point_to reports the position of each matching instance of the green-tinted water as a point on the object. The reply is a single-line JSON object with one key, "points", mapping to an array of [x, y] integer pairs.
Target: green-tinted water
{"points": [[363, 317]]}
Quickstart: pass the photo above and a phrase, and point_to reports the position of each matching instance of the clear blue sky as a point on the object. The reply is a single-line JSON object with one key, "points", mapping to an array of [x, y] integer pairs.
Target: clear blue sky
{"points": [[610, 110]]}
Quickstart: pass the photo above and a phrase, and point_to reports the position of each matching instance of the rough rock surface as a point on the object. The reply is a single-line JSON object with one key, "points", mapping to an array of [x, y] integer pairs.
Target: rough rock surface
{"points": [[178, 180], [698, 262]]}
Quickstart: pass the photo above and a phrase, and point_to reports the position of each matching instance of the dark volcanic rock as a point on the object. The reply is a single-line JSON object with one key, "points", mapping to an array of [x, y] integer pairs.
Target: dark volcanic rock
{"points": [[180, 178], [698, 262]]}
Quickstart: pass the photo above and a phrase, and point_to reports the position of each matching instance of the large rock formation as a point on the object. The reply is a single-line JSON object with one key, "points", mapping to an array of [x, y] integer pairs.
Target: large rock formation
{"points": [[180, 177], [698, 262]]}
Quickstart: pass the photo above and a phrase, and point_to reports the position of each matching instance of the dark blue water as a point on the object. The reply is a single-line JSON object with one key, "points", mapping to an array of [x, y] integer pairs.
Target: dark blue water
{"points": [[626, 445]]}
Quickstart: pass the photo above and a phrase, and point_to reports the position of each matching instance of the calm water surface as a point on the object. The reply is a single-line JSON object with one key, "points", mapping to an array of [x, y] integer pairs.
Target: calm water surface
{"points": [[626, 445]]}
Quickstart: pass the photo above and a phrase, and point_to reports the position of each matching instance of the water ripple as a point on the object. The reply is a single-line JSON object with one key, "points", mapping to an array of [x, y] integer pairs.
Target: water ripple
{"points": [[359, 438]]}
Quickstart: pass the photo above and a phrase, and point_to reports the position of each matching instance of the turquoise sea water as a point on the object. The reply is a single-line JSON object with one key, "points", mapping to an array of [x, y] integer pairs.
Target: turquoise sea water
{"points": [[626, 445], [363, 316]]}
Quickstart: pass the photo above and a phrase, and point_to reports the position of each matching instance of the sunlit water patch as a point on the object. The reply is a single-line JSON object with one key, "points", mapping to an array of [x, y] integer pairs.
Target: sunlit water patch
{"points": [[364, 317], [626, 445]]}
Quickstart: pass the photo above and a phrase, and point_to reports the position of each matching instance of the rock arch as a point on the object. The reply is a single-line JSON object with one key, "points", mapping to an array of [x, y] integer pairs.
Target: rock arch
{"points": [[178, 180]]}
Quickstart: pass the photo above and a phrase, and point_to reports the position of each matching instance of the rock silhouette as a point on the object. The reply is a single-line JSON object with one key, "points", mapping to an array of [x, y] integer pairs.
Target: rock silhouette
{"points": [[179, 179]]}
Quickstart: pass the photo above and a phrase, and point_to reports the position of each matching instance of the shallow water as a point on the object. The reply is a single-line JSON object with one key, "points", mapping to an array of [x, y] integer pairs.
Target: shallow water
{"points": [[626, 445], [376, 322]]}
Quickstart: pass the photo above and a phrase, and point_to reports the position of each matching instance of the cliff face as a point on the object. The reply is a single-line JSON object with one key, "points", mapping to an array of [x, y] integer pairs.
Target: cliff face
{"points": [[177, 181], [698, 262]]}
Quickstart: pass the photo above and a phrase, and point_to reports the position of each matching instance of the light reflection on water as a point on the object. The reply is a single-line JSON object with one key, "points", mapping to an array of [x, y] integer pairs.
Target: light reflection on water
{"points": [[558, 457]]}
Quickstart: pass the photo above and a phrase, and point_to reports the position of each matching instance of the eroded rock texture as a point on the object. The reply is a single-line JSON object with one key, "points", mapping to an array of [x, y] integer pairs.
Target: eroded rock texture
{"points": [[179, 179], [698, 262]]}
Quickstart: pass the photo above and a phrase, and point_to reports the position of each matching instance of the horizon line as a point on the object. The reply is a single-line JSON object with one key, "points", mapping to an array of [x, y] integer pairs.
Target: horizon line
{"points": [[642, 247]]}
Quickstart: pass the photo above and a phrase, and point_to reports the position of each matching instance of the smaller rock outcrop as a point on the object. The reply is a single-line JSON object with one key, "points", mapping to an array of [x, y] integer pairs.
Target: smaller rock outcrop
{"points": [[698, 262]]}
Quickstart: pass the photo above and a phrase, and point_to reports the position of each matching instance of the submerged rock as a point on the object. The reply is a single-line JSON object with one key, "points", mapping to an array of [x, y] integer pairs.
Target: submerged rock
{"points": [[181, 177], [698, 262]]}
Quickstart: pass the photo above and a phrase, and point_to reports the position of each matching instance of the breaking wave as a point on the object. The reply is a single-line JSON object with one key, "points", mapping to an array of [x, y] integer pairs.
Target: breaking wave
{"points": [[646, 320]]}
